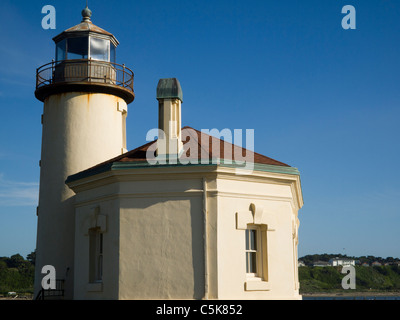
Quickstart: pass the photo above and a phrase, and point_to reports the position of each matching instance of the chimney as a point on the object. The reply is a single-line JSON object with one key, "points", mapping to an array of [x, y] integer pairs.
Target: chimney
{"points": [[169, 96]]}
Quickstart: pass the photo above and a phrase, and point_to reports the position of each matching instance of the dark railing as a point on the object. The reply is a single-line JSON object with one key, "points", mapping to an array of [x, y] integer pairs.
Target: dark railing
{"points": [[84, 70], [57, 293]]}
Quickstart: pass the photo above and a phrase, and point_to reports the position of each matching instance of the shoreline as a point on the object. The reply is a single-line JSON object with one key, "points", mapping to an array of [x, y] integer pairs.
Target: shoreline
{"points": [[351, 294]]}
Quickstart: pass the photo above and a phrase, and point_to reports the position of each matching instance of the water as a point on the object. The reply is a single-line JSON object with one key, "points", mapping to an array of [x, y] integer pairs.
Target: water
{"points": [[353, 298]]}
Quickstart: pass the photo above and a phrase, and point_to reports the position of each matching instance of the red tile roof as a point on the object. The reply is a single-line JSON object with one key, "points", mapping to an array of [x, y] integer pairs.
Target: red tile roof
{"points": [[193, 144]]}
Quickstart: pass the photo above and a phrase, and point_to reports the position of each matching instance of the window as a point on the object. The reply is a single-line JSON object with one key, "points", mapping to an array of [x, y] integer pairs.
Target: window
{"points": [[113, 57], [99, 49], [256, 258], [77, 48], [251, 251], [95, 255], [256, 227], [61, 49], [96, 228]]}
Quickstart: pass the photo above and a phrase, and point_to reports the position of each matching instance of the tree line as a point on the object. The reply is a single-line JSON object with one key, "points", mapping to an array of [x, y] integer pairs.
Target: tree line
{"points": [[309, 260], [17, 273], [368, 279]]}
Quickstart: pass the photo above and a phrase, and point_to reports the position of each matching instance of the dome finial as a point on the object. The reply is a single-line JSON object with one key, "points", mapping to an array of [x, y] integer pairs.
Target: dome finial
{"points": [[86, 14]]}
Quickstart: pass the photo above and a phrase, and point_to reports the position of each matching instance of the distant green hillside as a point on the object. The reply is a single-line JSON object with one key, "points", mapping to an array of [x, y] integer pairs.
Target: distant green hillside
{"points": [[17, 274], [308, 260], [329, 279]]}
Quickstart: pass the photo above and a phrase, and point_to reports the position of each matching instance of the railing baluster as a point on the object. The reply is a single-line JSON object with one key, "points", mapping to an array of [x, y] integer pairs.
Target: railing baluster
{"points": [[123, 75]]}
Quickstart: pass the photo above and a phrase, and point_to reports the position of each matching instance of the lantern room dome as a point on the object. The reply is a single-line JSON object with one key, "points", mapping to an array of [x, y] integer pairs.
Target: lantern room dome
{"points": [[85, 26]]}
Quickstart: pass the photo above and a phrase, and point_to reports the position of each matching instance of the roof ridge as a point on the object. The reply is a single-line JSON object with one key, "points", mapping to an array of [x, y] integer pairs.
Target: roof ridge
{"points": [[232, 144]]}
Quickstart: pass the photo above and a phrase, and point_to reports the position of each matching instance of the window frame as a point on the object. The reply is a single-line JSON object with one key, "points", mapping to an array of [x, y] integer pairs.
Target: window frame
{"points": [[265, 224], [250, 250], [96, 255], [261, 267]]}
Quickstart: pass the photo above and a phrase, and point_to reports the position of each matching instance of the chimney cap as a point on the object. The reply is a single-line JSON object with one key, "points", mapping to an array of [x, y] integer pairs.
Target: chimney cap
{"points": [[169, 89]]}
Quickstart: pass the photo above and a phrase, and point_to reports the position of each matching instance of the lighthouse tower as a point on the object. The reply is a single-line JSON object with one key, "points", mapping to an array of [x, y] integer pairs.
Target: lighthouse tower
{"points": [[85, 95]]}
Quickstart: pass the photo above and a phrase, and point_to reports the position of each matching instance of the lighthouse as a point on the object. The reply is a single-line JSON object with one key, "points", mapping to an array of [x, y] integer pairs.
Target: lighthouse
{"points": [[115, 226], [85, 95]]}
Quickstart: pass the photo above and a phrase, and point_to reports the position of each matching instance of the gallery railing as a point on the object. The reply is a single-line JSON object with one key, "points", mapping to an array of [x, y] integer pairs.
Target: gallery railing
{"points": [[57, 292], [84, 70]]}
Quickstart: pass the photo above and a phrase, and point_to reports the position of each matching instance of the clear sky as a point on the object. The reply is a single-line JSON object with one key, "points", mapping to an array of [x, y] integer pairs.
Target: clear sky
{"points": [[322, 99]]}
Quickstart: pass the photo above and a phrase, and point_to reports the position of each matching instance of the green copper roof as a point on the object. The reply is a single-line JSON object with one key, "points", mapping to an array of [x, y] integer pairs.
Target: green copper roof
{"points": [[115, 166], [169, 89]]}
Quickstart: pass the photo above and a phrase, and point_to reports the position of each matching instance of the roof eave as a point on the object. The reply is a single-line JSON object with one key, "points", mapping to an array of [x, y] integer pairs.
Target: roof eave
{"points": [[132, 165], [86, 33]]}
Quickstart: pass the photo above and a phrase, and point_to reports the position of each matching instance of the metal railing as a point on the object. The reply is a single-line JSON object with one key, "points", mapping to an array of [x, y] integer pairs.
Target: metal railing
{"points": [[84, 70], [58, 292]]}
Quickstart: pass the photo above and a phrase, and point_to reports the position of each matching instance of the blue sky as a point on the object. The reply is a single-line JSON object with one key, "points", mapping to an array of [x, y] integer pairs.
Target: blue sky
{"points": [[320, 98]]}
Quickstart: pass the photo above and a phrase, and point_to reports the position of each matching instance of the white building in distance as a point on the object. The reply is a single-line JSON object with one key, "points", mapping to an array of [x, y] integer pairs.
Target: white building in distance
{"points": [[342, 262]]}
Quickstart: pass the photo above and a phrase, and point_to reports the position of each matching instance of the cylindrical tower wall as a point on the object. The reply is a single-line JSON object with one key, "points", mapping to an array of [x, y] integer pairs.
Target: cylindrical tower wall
{"points": [[80, 130]]}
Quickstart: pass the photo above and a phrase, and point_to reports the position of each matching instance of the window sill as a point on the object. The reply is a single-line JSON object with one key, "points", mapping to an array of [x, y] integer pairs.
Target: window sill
{"points": [[256, 284], [94, 287]]}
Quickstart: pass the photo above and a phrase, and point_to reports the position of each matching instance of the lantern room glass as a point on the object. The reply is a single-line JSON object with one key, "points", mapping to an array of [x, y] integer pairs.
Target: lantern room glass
{"points": [[113, 57], [61, 49], [77, 48], [86, 48], [99, 49]]}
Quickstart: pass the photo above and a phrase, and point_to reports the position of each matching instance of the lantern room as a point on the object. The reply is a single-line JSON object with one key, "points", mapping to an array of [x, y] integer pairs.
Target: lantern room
{"points": [[85, 61], [86, 41]]}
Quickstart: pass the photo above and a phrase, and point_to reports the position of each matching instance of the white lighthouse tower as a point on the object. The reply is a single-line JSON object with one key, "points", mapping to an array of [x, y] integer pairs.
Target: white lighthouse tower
{"points": [[85, 95]]}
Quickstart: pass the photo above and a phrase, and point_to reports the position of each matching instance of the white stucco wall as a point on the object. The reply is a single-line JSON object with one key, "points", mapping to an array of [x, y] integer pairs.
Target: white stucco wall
{"points": [[236, 195], [85, 219], [161, 249], [161, 239], [157, 231]]}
